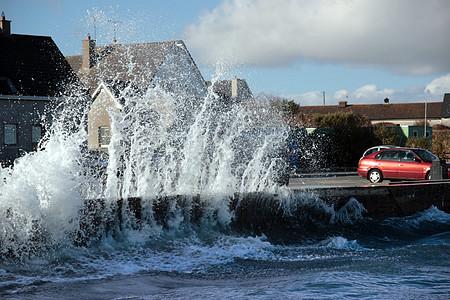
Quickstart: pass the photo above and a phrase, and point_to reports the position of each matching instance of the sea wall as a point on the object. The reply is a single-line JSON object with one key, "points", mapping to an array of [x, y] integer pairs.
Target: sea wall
{"points": [[275, 215], [395, 200]]}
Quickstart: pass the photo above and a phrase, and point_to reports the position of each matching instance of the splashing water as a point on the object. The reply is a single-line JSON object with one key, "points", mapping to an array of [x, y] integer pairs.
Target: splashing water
{"points": [[158, 148], [220, 151]]}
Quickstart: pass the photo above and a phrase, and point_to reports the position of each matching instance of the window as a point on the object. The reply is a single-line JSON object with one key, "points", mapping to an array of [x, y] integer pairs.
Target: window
{"points": [[103, 136], [372, 151], [387, 155], [36, 135], [10, 134], [415, 133], [425, 155], [427, 133], [407, 156]]}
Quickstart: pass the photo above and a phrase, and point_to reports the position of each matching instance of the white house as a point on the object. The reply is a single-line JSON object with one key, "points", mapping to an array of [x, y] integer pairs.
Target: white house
{"points": [[117, 71]]}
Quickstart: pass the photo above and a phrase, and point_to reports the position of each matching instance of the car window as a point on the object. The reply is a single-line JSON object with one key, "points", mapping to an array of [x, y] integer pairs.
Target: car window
{"points": [[425, 155], [406, 156], [371, 151], [387, 155]]}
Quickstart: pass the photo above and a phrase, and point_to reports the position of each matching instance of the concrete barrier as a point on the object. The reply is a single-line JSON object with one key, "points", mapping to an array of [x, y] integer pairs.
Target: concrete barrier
{"points": [[304, 210], [439, 169], [394, 200]]}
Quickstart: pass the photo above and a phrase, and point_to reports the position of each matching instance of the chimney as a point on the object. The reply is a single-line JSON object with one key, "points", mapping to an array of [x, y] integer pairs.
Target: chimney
{"points": [[234, 88], [5, 25], [386, 100], [342, 104], [88, 56]]}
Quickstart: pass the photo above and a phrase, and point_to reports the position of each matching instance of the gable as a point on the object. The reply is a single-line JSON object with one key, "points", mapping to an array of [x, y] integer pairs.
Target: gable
{"points": [[103, 105]]}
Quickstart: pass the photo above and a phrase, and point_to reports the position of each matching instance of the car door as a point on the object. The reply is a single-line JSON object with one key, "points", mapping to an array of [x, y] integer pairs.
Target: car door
{"points": [[409, 166], [388, 163]]}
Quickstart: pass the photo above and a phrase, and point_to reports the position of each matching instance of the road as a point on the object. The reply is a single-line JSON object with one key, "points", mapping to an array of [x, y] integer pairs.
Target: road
{"points": [[327, 179]]}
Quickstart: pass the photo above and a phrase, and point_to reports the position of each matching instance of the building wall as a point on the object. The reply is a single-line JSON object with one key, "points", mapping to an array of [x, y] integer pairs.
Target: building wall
{"points": [[411, 122], [181, 86], [416, 131], [25, 114], [102, 109]]}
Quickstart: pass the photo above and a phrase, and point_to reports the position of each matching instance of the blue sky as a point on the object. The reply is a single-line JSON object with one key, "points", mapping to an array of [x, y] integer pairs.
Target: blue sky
{"points": [[362, 51]]}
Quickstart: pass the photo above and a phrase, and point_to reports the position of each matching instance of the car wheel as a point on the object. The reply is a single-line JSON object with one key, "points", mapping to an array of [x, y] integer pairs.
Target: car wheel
{"points": [[428, 176], [375, 176]]}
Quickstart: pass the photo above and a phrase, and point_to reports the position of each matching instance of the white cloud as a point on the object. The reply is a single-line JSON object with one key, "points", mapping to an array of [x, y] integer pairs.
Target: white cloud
{"points": [[402, 36], [341, 95], [371, 93], [307, 99], [439, 85]]}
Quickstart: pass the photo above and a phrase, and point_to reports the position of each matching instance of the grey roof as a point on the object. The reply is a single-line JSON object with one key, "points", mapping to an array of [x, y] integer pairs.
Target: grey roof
{"points": [[75, 62], [378, 112], [136, 63]]}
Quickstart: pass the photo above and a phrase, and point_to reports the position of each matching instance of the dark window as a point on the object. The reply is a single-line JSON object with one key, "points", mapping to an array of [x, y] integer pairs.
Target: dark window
{"points": [[407, 156], [36, 135], [10, 134], [371, 151], [391, 155], [425, 155], [103, 136]]}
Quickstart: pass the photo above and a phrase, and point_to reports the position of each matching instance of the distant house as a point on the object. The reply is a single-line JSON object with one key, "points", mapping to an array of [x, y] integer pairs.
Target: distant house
{"points": [[116, 71], [232, 91], [446, 110], [34, 75], [406, 114]]}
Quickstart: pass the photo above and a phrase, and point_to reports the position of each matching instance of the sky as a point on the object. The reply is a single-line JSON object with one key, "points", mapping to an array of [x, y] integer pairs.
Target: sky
{"points": [[361, 51]]}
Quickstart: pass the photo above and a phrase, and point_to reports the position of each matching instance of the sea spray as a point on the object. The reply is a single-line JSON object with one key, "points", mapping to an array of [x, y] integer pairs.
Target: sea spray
{"points": [[41, 194], [157, 149]]}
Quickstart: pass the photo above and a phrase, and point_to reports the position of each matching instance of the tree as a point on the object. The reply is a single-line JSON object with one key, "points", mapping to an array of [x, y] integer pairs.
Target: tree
{"points": [[348, 120], [289, 107], [386, 135]]}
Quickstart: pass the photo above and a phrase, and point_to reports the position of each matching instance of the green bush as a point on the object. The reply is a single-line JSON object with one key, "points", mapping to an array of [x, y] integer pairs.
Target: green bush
{"points": [[441, 143], [418, 142]]}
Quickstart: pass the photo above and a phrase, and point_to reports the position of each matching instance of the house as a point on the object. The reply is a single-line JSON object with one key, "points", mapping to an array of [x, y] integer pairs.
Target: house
{"points": [[446, 110], [34, 75], [406, 114], [231, 91], [407, 119], [114, 72]]}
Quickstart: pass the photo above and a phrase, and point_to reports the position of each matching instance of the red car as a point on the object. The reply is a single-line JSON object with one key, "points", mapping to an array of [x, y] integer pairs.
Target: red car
{"points": [[397, 163]]}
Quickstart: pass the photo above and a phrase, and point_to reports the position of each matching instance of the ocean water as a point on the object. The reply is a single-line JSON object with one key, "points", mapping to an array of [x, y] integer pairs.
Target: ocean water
{"points": [[401, 258], [67, 230]]}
